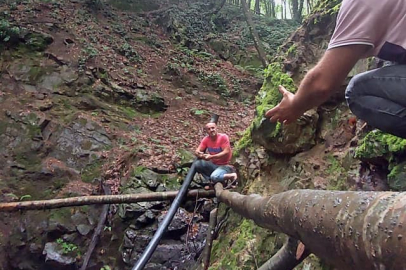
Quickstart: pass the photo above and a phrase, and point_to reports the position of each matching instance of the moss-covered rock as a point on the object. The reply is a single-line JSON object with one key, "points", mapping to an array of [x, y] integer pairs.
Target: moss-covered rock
{"points": [[275, 137], [397, 177], [377, 144]]}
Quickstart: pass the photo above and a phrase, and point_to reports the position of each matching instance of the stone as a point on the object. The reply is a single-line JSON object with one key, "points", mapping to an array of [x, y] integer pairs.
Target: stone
{"points": [[289, 139], [53, 252]]}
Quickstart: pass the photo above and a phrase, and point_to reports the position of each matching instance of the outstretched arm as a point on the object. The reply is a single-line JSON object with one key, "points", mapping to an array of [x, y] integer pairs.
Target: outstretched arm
{"points": [[318, 84]]}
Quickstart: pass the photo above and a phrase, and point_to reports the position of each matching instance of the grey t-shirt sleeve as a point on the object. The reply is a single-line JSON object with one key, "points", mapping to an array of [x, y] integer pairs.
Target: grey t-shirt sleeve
{"points": [[356, 24]]}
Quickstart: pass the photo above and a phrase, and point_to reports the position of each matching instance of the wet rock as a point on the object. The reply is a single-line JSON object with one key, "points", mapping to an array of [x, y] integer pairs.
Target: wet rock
{"points": [[165, 253], [179, 222]]}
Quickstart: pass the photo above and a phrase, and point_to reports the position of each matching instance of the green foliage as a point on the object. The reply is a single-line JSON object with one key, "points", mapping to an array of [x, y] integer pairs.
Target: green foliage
{"points": [[90, 51], [67, 247], [91, 171], [172, 69], [216, 81], [27, 196], [196, 111], [105, 267], [128, 51], [245, 246], [7, 31]]}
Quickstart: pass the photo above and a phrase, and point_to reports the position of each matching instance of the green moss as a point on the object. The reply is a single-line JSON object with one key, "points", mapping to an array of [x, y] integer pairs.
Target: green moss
{"points": [[269, 95], [92, 171], [336, 173], [379, 144], [243, 142], [62, 215], [38, 42], [292, 49], [397, 176], [86, 145], [35, 73], [267, 98], [245, 246], [3, 126]]}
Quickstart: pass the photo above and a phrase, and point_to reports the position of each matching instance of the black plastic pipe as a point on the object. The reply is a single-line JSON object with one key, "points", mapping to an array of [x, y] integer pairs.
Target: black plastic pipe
{"points": [[143, 260]]}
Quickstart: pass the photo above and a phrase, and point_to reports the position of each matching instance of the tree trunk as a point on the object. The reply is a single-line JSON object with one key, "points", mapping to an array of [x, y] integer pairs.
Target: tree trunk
{"points": [[106, 199], [295, 10], [257, 7], [217, 8], [349, 230], [273, 8], [254, 34], [300, 10], [284, 9]]}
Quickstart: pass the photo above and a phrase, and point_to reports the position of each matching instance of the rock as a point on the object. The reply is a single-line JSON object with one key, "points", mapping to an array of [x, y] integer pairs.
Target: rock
{"points": [[53, 252], [179, 221], [68, 75], [84, 229], [287, 139]]}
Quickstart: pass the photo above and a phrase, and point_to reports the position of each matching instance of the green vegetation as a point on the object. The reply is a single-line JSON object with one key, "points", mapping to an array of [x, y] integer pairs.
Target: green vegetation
{"points": [[379, 144], [92, 171], [7, 31], [246, 246], [336, 174], [216, 81], [267, 98], [128, 51], [67, 248]]}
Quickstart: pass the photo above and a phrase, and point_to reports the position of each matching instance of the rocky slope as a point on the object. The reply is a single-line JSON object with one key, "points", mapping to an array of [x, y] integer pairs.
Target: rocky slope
{"points": [[94, 93]]}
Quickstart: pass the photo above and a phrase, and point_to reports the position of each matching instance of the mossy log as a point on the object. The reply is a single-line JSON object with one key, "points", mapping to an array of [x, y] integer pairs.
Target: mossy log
{"points": [[347, 229]]}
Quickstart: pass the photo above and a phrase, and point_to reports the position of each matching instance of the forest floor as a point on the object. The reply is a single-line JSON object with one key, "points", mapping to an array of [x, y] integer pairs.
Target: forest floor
{"points": [[161, 136]]}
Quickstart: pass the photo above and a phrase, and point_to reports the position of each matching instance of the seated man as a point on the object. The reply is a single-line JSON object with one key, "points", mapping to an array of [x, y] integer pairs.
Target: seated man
{"points": [[214, 164]]}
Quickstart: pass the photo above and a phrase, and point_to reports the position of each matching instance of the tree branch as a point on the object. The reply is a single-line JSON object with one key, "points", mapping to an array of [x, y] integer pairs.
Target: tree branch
{"points": [[97, 231], [209, 238], [101, 199], [287, 258]]}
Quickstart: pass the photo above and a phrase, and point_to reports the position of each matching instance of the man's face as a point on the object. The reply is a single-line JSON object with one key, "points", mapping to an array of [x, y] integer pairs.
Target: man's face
{"points": [[211, 129]]}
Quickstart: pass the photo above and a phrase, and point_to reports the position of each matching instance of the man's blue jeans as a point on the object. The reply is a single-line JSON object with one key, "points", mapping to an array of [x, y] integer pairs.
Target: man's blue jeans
{"points": [[379, 98], [212, 172]]}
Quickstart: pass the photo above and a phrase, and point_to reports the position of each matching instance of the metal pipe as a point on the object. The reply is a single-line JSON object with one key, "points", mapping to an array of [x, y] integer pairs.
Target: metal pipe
{"points": [[142, 261]]}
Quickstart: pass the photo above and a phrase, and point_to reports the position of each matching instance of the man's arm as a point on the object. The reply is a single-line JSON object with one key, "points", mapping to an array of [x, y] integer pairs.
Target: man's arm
{"points": [[225, 151], [199, 152], [319, 83]]}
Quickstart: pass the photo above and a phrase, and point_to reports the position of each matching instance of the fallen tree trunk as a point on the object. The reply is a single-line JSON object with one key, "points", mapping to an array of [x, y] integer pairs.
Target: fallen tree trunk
{"points": [[347, 229], [101, 199]]}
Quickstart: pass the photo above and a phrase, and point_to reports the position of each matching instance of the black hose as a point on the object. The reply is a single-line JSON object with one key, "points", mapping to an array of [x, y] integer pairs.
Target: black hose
{"points": [[142, 261]]}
